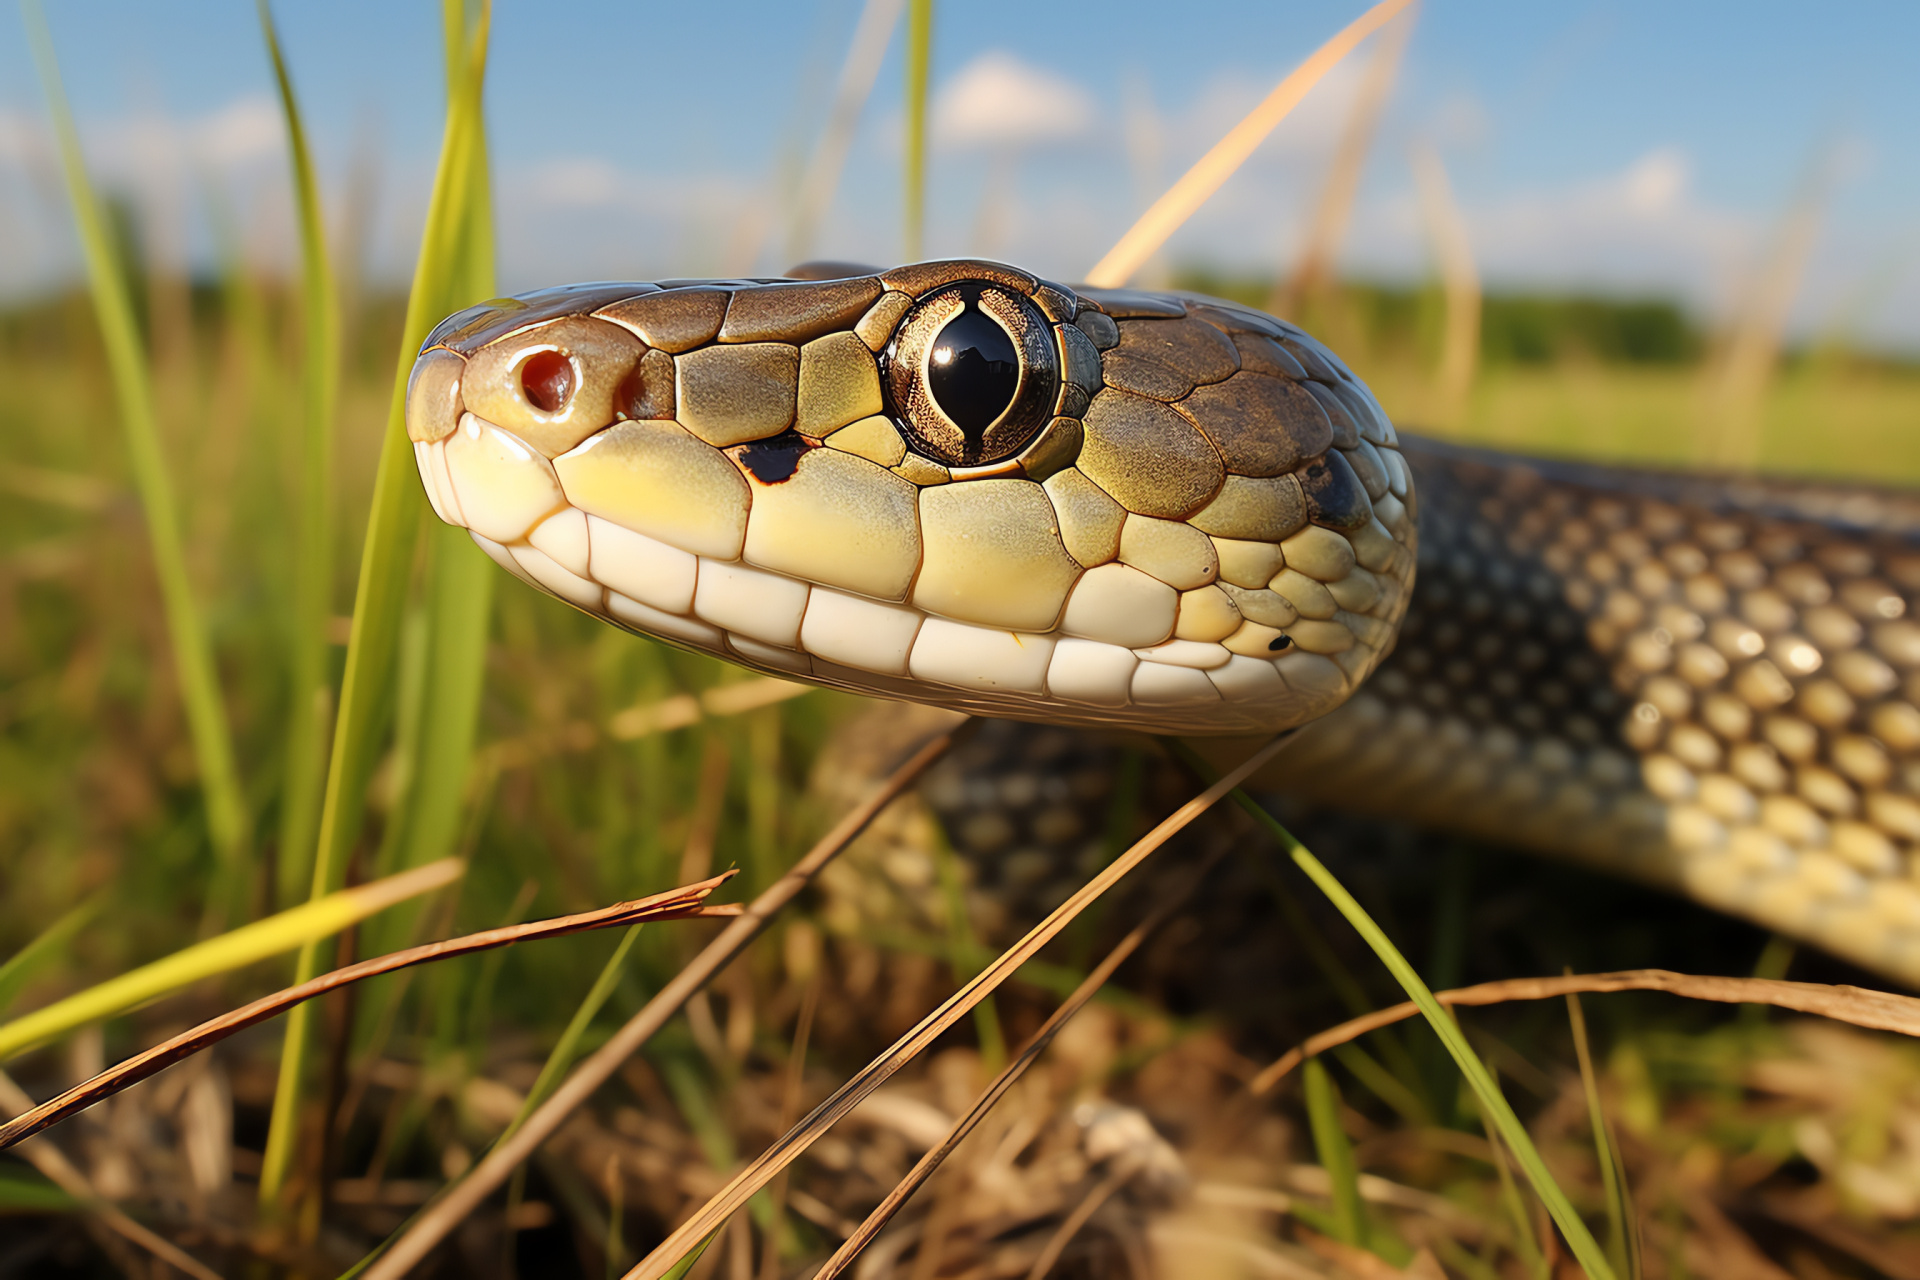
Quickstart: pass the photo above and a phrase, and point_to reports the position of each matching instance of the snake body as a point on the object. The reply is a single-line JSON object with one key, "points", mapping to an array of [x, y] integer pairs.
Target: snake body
{"points": [[958, 484]]}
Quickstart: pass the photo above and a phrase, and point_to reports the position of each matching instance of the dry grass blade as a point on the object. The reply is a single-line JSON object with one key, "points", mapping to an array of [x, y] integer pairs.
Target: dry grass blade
{"points": [[1171, 211], [789, 1148], [1459, 281], [1334, 210], [683, 903], [435, 1223], [1082, 1212], [1753, 348], [54, 1166], [1879, 1010], [646, 719], [870, 39], [1030, 1052], [300, 926]]}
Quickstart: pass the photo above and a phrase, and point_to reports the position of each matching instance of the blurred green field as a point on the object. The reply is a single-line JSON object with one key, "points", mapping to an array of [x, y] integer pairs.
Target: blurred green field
{"points": [[99, 799]]}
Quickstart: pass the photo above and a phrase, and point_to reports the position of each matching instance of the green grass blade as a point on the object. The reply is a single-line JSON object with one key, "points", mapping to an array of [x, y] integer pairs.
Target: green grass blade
{"points": [[688, 1086], [1613, 1178], [919, 63], [1383, 1084], [1501, 1115], [459, 602], [313, 559], [567, 1048], [51, 942], [301, 926], [1585, 1248], [459, 579], [24, 1191], [682, 1267], [386, 564], [1336, 1153], [1526, 1245], [558, 1061], [205, 706]]}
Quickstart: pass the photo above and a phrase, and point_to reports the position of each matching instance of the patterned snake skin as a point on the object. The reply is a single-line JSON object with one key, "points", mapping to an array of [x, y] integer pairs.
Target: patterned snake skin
{"points": [[956, 484]]}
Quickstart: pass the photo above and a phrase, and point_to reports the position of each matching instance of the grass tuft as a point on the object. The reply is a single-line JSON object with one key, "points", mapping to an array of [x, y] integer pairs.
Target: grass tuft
{"points": [[1499, 1112], [193, 660], [1330, 1141], [386, 565]]}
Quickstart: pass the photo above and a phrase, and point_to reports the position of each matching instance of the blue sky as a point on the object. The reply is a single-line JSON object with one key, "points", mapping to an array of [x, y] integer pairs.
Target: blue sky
{"points": [[1632, 147]]}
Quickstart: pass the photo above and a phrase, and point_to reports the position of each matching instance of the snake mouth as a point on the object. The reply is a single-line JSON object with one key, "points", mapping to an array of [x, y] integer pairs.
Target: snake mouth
{"points": [[950, 482]]}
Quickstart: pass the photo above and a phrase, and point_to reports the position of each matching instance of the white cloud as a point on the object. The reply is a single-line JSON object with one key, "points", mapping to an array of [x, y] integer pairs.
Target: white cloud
{"points": [[1656, 181], [243, 131], [581, 181], [1640, 227], [998, 100]]}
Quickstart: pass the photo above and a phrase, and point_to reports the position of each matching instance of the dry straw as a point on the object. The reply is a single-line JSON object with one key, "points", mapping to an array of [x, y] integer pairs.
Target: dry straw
{"points": [[1861, 1006], [1171, 211], [686, 902], [1313, 273], [53, 1165], [871, 36], [1459, 283], [714, 1214], [1029, 1053], [446, 1214]]}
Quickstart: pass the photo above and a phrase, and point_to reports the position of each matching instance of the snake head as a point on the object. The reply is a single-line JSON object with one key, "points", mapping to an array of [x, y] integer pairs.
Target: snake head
{"points": [[951, 482]]}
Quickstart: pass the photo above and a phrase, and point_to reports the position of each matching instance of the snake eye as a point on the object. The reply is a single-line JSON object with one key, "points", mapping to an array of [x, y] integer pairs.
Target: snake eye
{"points": [[971, 374]]}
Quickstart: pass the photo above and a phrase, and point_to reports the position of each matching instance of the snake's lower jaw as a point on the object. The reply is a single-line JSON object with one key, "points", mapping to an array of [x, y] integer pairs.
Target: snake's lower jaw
{"points": [[1206, 528]]}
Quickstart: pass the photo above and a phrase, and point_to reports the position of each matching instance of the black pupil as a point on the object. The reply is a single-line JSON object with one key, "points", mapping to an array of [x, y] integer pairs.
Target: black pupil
{"points": [[973, 371]]}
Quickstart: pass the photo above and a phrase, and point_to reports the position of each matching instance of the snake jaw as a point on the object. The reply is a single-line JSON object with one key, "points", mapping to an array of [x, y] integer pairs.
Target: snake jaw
{"points": [[1177, 514]]}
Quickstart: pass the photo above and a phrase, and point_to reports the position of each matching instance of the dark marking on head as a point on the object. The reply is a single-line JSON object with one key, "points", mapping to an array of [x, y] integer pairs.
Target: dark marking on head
{"points": [[775, 459]]}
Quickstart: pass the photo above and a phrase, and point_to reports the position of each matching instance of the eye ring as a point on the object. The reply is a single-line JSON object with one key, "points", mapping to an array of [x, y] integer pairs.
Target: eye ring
{"points": [[972, 374]]}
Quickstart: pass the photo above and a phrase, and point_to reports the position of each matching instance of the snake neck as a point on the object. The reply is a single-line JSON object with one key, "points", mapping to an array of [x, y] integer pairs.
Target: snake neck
{"points": [[1701, 684]]}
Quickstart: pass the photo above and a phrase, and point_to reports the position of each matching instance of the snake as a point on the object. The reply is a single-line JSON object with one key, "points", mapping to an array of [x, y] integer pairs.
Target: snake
{"points": [[959, 484]]}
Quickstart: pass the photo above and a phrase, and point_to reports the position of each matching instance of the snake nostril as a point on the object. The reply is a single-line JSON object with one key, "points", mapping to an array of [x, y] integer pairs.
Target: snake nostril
{"points": [[547, 380], [1278, 643]]}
